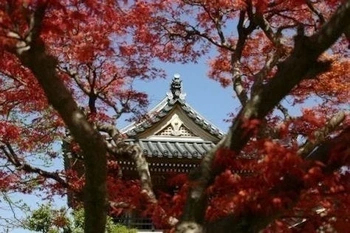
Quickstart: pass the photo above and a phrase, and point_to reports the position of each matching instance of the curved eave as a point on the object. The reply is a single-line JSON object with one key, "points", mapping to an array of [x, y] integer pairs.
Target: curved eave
{"points": [[201, 121], [130, 128]]}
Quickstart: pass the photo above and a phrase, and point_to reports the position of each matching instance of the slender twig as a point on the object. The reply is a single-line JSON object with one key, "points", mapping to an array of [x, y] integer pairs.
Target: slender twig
{"points": [[21, 164]]}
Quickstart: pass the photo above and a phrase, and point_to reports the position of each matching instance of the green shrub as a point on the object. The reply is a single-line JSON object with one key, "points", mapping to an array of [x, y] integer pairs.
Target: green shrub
{"points": [[48, 220]]}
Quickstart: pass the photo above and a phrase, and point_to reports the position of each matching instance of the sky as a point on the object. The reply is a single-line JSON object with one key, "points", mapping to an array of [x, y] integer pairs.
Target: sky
{"points": [[205, 95]]}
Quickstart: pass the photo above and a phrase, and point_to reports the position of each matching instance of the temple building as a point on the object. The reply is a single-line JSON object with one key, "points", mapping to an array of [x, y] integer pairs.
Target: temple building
{"points": [[174, 137]]}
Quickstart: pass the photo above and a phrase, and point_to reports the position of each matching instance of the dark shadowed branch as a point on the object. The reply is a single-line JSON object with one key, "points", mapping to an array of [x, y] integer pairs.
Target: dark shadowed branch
{"points": [[321, 135], [120, 149], [291, 72], [34, 56]]}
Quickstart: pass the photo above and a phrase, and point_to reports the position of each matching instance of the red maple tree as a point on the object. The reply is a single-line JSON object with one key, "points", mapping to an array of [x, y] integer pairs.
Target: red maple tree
{"points": [[81, 57]]}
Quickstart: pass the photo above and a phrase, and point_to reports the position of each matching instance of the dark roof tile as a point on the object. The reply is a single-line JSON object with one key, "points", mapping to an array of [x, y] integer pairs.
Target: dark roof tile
{"points": [[173, 149]]}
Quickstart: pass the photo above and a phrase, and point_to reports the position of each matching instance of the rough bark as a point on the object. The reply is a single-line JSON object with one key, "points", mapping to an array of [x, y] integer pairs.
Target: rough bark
{"points": [[120, 149], [32, 54], [291, 72]]}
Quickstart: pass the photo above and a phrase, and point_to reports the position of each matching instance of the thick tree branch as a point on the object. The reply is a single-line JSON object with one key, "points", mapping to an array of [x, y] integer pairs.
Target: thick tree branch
{"points": [[275, 38], [259, 77], [119, 148], [321, 135], [217, 21], [193, 214], [236, 56], [293, 70], [284, 111], [189, 31], [338, 145], [313, 9], [273, 59], [92, 144]]}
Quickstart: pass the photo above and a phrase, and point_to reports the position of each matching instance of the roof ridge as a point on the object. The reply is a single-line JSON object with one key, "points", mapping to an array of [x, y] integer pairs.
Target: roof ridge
{"points": [[166, 105]]}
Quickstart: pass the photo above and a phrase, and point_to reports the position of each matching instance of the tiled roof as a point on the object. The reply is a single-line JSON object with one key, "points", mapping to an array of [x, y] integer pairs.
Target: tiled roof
{"points": [[174, 97], [173, 149], [194, 150]]}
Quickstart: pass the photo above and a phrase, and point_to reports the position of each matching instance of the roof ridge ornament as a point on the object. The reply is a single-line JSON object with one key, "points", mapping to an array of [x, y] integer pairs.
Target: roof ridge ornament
{"points": [[176, 88]]}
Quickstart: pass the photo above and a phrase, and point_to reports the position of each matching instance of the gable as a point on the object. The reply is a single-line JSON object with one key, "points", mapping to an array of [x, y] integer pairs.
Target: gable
{"points": [[177, 125], [174, 119], [175, 128]]}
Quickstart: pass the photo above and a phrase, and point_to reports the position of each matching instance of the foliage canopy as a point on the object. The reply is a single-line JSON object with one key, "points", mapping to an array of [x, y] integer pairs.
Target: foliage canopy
{"points": [[70, 65]]}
